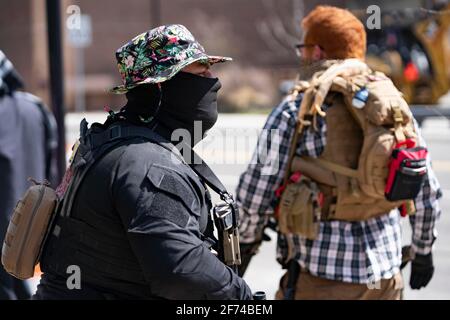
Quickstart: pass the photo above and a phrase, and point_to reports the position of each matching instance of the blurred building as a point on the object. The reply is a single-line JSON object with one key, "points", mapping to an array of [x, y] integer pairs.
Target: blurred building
{"points": [[258, 34]]}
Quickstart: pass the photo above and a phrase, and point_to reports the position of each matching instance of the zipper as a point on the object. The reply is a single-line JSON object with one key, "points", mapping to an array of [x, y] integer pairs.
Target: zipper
{"points": [[41, 195]]}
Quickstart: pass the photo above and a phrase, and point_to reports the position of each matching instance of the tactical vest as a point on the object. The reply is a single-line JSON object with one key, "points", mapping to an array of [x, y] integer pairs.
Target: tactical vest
{"points": [[351, 172], [105, 260]]}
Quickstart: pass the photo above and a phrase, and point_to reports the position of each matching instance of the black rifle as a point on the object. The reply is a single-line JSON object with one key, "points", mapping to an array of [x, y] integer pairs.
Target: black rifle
{"points": [[291, 285]]}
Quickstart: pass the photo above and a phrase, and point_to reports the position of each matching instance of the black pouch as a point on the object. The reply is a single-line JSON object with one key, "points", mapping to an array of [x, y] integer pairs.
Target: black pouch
{"points": [[407, 170]]}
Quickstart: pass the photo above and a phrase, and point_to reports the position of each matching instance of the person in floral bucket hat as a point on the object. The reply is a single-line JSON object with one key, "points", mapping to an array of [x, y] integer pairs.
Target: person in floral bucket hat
{"points": [[139, 225]]}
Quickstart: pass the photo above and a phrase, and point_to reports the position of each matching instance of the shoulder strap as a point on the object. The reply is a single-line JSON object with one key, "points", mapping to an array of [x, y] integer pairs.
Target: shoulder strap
{"points": [[300, 123], [209, 177], [82, 163]]}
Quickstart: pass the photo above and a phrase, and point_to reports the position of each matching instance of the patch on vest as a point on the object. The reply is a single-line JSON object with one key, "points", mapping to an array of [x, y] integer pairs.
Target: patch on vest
{"points": [[168, 197]]}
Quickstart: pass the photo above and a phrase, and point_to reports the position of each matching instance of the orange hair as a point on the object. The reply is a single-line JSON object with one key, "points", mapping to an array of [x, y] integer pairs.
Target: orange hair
{"points": [[337, 31]]}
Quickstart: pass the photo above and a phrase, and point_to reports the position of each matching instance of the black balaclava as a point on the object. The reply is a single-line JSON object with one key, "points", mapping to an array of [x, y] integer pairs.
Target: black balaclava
{"points": [[177, 104]]}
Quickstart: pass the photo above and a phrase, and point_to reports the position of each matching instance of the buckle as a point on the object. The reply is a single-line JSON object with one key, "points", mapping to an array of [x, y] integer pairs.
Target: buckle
{"points": [[223, 215], [115, 133], [398, 117]]}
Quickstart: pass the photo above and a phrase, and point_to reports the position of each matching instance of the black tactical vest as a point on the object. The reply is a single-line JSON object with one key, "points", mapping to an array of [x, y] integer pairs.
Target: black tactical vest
{"points": [[87, 231]]}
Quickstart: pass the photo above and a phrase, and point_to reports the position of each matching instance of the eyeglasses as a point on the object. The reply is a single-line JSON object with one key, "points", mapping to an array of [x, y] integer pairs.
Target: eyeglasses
{"points": [[299, 48]]}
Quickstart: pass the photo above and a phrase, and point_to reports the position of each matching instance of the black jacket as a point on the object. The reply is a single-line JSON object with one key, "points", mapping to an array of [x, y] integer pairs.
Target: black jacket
{"points": [[144, 214]]}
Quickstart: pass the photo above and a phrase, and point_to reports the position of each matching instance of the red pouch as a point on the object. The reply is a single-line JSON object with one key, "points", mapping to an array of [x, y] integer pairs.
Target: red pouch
{"points": [[407, 169]]}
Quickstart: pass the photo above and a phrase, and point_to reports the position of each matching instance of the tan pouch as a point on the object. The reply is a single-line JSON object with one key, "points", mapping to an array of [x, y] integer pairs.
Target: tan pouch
{"points": [[27, 229], [299, 210]]}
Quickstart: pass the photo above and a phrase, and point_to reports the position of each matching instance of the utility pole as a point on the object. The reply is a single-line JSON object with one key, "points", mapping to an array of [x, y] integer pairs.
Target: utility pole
{"points": [[56, 79], [155, 13]]}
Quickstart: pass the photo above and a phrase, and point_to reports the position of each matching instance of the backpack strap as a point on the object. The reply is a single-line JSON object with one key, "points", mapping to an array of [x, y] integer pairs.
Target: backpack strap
{"points": [[84, 159], [300, 124], [334, 167], [398, 121]]}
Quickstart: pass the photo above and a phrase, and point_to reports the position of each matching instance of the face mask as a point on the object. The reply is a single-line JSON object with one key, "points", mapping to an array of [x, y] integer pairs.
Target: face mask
{"points": [[188, 98]]}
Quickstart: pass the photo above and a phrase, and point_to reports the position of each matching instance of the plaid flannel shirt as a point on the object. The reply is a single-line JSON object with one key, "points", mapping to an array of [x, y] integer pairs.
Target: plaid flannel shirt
{"points": [[357, 252]]}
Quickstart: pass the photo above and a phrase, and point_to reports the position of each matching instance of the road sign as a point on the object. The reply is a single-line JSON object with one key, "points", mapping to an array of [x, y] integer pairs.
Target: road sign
{"points": [[81, 36]]}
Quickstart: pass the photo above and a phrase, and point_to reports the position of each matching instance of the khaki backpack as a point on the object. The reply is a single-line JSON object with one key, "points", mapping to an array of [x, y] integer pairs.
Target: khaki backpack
{"points": [[351, 172]]}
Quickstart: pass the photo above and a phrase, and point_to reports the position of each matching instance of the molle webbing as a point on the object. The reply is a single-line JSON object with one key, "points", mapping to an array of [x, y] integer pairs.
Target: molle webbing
{"points": [[352, 169]]}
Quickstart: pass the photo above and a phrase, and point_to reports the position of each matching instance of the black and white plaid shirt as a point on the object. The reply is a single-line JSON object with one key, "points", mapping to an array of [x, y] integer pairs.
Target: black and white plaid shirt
{"points": [[357, 252]]}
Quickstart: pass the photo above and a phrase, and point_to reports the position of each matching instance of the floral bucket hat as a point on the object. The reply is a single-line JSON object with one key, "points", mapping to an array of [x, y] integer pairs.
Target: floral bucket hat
{"points": [[157, 55]]}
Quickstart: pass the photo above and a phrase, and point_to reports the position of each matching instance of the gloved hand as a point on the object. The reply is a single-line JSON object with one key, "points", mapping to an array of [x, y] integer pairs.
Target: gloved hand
{"points": [[422, 270], [248, 250]]}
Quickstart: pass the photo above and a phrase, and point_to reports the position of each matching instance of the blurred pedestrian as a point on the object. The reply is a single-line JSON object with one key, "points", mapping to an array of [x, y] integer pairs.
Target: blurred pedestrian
{"points": [[27, 142], [339, 233]]}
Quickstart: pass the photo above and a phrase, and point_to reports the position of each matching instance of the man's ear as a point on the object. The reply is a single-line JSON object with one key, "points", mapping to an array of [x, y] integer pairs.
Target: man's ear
{"points": [[318, 53]]}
